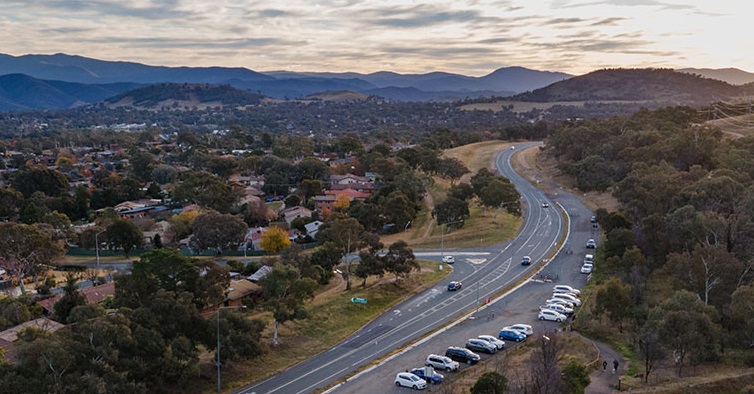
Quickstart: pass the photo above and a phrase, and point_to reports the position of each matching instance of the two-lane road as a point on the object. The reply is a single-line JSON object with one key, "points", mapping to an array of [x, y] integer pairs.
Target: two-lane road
{"points": [[488, 270]]}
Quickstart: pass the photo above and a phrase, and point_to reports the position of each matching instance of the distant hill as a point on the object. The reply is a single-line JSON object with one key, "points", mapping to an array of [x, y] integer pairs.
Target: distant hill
{"points": [[22, 92], [184, 96], [733, 76], [657, 85], [80, 69], [501, 82]]}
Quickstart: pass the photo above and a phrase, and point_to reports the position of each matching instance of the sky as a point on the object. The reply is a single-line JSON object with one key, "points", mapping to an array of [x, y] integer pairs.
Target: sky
{"points": [[472, 37]]}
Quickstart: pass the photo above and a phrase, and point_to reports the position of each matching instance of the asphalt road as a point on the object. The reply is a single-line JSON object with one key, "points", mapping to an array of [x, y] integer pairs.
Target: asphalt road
{"points": [[484, 272]]}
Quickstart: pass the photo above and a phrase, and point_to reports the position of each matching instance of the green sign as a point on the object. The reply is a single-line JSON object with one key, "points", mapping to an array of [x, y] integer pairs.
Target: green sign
{"points": [[359, 300]]}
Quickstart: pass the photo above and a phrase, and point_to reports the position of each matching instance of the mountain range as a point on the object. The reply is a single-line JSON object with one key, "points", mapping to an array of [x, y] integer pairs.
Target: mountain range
{"points": [[275, 84], [60, 81]]}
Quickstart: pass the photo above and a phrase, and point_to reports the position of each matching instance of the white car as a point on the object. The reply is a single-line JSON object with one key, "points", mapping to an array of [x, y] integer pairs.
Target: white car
{"points": [[591, 244], [406, 379], [567, 297], [448, 259], [442, 363], [522, 328], [493, 340], [557, 308], [589, 259], [548, 314], [560, 302], [587, 268], [566, 289]]}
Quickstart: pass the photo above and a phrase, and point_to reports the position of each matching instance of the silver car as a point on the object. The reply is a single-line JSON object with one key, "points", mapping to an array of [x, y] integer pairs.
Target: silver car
{"points": [[493, 340]]}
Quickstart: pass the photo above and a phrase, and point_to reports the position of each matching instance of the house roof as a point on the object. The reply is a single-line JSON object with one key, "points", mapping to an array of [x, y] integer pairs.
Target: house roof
{"points": [[42, 323], [261, 273], [93, 295], [350, 193], [241, 288]]}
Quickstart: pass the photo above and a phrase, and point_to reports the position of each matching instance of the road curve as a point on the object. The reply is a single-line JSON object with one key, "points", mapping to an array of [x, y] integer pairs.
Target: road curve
{"points": [[491, 269]]}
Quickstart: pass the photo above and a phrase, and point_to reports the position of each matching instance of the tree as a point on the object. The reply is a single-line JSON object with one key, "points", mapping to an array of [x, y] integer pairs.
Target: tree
{"points": [[451, 168], [370, 264], [274, 239], [240, 337], [400, 260], [342, 203], [451, 210], [181, 224], [25, 249], [310, 188], [651, 348], [398, 209], [40, 179], [613, 298], [257, 213], [490, 383], [285, 292], [346, 235], [10, 203], [741, 308], [545, 372], [461, 191], [71, 299], [206, 190], [618, 241], [575, 378], [709, 271], [685, 325], [219, 231], [123, 233]]}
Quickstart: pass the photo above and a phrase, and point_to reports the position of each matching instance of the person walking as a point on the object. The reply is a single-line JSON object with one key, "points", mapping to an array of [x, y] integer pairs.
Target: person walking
{"points": [[615, 366], [604, 365]]}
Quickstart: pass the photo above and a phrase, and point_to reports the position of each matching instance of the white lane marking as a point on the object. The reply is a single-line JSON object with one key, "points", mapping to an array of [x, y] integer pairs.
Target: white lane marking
{"points": [[454, 253], [476, 261]]}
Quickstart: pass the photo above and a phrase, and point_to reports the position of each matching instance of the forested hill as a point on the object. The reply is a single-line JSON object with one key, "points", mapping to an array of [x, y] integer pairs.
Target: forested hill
{"points": [[659, 85], [184, 96]]}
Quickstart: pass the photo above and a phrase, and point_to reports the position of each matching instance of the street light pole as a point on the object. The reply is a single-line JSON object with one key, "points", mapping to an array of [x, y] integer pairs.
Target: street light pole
{"points": [[218, 339], [96, 245], [442, 237]]}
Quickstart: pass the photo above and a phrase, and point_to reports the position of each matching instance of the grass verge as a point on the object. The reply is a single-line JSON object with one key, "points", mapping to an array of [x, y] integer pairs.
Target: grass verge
{"points": [[332, 318]]}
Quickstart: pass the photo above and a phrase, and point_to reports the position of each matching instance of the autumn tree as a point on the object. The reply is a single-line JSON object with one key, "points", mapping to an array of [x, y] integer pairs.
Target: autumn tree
{"points": [[274, 239]]}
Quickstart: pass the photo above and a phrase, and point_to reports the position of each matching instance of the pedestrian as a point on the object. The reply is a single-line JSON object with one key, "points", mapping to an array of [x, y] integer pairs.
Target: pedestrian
{"points": [[604, 365], [615, 366]]}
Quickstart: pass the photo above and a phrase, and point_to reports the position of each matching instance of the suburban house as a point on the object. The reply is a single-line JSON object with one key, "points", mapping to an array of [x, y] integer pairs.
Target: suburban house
{"points": [[322, 202], [93, 295], [9, 336], [313, 228], [289, 214], [347, 179], [240, 289]]}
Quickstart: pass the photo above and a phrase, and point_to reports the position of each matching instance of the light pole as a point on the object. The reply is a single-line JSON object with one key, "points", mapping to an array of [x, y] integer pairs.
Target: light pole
{"points": [[442, 238], [218, 339], [96, 245]]}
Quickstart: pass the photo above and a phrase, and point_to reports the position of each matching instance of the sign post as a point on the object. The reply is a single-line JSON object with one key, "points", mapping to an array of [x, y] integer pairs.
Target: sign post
{"points": [[359, 300]]}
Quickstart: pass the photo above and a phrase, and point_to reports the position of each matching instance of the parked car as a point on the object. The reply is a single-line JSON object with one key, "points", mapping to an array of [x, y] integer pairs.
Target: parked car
{"points": [[526, 260], [491, 339], [587, 268], [591, 244], [567, 297], [549, 314], [462, 355], [454, 285], [511, 335], [589, 258], [523, 328], [478, 345], [545, 205], [565, 289], [435, 378], [561, 302], [557, 308], [448, 259], [442, 363], [407, 379]]}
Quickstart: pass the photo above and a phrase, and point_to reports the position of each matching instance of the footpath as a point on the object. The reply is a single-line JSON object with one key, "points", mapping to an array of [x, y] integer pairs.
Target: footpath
{"points": [[604, 380]]}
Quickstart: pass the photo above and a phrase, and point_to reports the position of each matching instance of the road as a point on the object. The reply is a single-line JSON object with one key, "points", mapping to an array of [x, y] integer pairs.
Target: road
{"points": [[484, 272]]}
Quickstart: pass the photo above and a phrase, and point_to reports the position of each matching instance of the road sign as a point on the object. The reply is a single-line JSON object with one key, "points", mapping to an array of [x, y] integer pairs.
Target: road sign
{"points": [[359, 300]]}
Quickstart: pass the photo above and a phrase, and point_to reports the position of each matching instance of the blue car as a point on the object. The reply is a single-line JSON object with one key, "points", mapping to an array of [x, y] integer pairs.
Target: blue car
{"points": [[436, 378], [454, 285], [511, 335]]}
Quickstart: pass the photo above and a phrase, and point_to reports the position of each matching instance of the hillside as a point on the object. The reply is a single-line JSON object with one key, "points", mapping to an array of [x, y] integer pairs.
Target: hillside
{"points": [[172, 96], [657, 85], [338, 95], [733, 76], [22, 92]]}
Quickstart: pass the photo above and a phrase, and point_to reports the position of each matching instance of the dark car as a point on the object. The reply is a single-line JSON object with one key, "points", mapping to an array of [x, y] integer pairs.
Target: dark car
{"points": [[436, 378], [462, 355], [454, 285], [479, 345]]}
